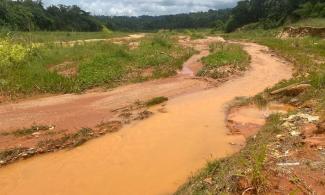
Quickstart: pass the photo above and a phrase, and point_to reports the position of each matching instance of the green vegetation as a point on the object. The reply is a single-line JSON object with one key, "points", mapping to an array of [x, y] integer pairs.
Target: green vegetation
{"points": [[28, 15], [95, 64], [223, 176], [268, 14], [196, 20], [230, 55], [313, 22], [306, 53], [156, 100], [55, 36], [264, 14]]}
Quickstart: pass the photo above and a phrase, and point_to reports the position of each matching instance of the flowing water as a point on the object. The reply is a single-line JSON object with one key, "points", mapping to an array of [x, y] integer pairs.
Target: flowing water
{"points": [[153, 156]]}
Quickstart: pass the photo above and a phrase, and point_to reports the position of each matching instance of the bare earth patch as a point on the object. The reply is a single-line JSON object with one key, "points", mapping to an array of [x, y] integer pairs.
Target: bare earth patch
{"points": [[295, 159]]}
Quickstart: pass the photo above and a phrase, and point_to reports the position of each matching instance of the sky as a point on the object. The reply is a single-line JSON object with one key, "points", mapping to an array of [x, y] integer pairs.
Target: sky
{"points": [[144, 7]]}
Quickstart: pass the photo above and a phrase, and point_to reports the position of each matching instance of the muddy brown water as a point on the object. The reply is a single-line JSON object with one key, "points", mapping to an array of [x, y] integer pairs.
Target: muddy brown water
{"points": [[153, 156]]}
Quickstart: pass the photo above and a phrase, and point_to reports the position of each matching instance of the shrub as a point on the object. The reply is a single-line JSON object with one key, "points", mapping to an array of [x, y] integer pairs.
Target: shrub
{"points": [[12, 53], [156, 100]]}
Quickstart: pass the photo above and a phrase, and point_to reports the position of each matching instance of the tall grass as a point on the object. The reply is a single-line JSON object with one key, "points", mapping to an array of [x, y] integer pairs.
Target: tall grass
{"points": [[53, 36], [314, 22]]}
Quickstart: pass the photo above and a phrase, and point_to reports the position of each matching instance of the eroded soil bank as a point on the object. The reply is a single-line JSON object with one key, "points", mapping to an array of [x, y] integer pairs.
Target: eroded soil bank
{"points": [[153, 156]]}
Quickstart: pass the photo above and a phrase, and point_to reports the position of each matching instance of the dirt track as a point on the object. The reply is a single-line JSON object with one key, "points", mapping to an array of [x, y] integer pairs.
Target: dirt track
{"points": [[153, 156]]}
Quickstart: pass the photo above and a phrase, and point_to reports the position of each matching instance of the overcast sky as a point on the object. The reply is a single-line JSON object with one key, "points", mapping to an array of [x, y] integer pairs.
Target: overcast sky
{"points": [[144, 7]]}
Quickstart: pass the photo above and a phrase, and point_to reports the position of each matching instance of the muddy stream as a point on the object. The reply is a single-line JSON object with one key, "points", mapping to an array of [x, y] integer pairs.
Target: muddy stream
{"points": [[153, 156]]}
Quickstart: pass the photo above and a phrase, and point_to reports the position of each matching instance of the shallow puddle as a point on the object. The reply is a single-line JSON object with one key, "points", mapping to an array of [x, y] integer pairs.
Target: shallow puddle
{"points": [[153, 156]]}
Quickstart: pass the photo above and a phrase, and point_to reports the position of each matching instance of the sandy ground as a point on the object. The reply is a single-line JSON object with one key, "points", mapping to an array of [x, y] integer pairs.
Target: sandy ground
{"points": [[153, 156]]}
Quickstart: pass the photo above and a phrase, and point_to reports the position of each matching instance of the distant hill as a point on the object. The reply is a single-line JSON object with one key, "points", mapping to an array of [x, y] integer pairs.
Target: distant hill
{"points": [[208, 19]]}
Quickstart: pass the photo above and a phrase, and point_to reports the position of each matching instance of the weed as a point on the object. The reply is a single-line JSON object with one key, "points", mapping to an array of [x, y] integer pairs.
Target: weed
{"points": [[260, 101], [9, 154], [318, 80], [156, 100]]}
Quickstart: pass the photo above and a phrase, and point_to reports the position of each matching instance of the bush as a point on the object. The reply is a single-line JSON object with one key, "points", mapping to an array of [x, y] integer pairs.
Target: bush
{"points": [[12, 53], [156, 100]]}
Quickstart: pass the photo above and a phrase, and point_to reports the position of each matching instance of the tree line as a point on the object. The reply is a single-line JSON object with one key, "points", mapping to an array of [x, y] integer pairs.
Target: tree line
{"points": [[272, 13], [28, 15], [179, 21]]}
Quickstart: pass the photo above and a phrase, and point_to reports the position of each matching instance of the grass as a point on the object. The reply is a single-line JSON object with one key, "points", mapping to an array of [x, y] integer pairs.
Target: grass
{"points": [[307, 54], [247, 165], [313, 22], [156, 100], [54, 36], [224, 55], [101, 64]]}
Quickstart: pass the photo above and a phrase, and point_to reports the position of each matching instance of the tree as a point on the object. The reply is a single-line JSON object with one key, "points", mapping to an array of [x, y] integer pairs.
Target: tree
{"points": [[28, 15]]}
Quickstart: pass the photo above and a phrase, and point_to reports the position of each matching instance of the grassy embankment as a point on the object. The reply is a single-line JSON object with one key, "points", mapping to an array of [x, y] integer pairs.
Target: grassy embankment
{"points": [[28, 69], [224, 60], [224, 176]]}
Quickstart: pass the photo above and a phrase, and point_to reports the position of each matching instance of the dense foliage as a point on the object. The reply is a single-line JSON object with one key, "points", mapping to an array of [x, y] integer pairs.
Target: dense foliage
{"points": [[273, 13], [145, 23], [28, 15]]}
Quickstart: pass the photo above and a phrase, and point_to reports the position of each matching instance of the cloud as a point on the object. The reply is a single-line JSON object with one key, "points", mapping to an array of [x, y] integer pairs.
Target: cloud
{"points": [[145, 7]]}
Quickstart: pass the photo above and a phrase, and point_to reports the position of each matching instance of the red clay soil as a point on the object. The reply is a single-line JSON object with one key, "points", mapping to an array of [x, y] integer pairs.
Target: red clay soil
{"points": [[307, 150]]}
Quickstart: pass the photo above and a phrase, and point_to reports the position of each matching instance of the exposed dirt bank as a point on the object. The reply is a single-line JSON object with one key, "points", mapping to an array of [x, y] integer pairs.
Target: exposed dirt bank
{"points": [[297, 32], [118, 40], [153, 156], [248, 120]]}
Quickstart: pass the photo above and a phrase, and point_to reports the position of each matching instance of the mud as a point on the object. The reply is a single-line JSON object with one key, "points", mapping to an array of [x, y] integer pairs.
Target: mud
{"points": [[248, 120]]}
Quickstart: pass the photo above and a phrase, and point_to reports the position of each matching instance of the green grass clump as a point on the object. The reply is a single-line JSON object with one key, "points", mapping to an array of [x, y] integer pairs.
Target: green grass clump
{"points": [[222, 55], [156, 100], [317, 80]]}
